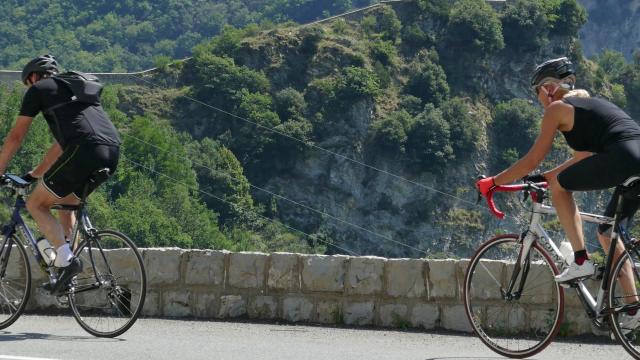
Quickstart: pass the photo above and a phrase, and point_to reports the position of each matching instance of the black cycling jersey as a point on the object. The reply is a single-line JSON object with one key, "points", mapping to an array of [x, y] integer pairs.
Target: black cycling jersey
{"points": [[603, 128], [71, 124], [597, 124]]}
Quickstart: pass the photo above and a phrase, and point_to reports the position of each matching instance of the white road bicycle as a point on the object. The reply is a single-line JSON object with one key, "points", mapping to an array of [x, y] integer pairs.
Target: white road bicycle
{"points": [[511, 298]]}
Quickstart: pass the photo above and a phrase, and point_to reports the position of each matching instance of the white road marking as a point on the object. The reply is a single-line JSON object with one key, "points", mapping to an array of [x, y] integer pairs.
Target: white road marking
{"points": [[12, 357]]}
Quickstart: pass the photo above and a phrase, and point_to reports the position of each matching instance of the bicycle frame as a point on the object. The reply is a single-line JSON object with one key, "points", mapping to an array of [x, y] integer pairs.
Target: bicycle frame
{"points": [[17, 223], [536, 232], [18, 226]]}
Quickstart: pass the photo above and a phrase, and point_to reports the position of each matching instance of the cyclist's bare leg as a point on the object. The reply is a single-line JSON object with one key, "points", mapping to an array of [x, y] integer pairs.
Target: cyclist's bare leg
{"points": [[67, 219], [568, 213], [626, 275], [39, 206]]}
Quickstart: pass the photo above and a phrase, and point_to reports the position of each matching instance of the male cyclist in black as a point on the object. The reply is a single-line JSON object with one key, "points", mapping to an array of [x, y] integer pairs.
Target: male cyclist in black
{"points": [[85, 141]]}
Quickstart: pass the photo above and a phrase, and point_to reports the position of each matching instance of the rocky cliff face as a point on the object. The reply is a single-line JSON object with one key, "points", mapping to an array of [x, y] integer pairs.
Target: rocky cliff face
{"points": [[385, 207], [612, 24]]}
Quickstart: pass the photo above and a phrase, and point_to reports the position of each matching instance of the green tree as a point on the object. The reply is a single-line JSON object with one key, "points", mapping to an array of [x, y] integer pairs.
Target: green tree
{"points": [[429, 140], [524, 25], [516, 122], [427, 80], [475, 27], [465, 128], [221, 175], [390, 132]]}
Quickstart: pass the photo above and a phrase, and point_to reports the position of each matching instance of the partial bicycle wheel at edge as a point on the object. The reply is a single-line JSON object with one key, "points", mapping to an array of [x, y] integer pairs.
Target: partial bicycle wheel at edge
{"points": [[15, 281], [107, 296], [513, 325], [627, 332]]}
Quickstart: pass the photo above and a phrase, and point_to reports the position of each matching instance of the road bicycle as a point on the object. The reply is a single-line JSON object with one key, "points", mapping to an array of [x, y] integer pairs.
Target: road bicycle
{"points": [[106, 298], [511, 298]]}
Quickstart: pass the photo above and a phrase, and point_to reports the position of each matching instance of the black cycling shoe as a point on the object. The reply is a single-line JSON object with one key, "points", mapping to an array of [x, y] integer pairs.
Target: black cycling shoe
{"points": [[65, 275]]}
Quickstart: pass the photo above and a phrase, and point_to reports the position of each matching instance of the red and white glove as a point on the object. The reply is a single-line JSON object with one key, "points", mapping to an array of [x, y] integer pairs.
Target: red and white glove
{"points": [[486, 185]]}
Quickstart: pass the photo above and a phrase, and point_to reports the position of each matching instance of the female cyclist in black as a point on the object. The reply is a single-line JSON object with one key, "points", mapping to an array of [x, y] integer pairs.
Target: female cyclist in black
{"points": [[607, 151]]}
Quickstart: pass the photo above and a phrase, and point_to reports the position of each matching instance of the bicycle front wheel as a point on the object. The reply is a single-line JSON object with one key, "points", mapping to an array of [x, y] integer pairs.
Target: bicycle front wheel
{"points": [[107, 296], [15, 281], [517, 322], [624, 295]]}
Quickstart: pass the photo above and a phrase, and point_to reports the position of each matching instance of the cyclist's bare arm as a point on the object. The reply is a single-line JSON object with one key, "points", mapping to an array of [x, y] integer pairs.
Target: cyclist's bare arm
{"points": [[52, 155], [552, 121], [13, 141]]}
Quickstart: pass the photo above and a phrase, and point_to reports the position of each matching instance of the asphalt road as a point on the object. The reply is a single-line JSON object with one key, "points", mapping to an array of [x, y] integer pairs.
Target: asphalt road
{"points": [[56, 337]]}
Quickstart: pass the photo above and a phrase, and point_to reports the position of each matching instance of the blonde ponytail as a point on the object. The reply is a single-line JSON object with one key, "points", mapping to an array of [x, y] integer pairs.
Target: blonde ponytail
{"points": [[577, 93]]}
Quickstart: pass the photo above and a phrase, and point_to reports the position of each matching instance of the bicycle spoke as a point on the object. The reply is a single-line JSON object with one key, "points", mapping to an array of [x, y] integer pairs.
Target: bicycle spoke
{"points": [[108, 299], [15, 284], [518, 325]]}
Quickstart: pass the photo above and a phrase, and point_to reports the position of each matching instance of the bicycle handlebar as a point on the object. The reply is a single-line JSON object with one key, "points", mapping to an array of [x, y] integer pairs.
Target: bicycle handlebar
{"points": [[13, 181], [529, 186]]}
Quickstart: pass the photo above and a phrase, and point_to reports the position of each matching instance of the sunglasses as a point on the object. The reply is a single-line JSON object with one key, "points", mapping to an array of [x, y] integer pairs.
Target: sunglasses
{"points": [[537, 88]]}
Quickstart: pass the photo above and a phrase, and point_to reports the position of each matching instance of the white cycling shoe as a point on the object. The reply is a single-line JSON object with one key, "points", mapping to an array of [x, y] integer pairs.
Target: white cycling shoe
{"points": [[575, 271], [628, 323]]}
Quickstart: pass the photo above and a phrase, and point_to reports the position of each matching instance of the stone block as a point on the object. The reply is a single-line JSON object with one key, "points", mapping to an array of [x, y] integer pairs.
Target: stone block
{"points": [[176, 303], [405, 278], [284, 272], [263, 307], [162, 266], [38, 276], [206, 305], [442, 279], [297, 309], [364, 275], [454, 318], [540, 287], [42, 299], [394, 315], [425, 315], [575, 323], [509, 319], [232, 306], [541, 320], [323, 273], [151, 305], [125, 264], [247, 270], [328, 312], [358, 313], [488, 278], [204, 267]]}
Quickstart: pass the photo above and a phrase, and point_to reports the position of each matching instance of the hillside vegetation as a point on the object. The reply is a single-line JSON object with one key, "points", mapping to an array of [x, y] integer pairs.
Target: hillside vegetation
{"points": [[332, 138], [125, 35]]}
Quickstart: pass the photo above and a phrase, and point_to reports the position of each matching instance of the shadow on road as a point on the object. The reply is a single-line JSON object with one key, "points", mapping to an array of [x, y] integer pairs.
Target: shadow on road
{"points": [[464, 358], [9, 336]]}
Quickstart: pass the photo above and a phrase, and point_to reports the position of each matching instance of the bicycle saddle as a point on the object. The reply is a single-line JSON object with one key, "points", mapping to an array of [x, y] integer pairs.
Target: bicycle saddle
{"points": [[100, 175], [630, 188]]}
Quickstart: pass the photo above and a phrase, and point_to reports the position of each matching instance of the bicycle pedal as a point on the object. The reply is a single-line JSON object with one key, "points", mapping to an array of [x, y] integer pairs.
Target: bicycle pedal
{"points": [[62, 301]]}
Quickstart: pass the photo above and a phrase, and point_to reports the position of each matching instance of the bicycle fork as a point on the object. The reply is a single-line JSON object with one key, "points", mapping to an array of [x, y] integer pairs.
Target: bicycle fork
{"points": [[523, 265]]}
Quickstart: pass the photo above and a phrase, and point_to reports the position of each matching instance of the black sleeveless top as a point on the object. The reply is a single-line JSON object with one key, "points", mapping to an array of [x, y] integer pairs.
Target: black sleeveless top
{"points": [[597, 124]]}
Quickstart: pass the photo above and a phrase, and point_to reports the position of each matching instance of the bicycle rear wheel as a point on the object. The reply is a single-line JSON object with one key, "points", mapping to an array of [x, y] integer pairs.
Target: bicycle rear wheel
{"points": [[107, 296], [628, 334], [511, 324], [15, 281]]}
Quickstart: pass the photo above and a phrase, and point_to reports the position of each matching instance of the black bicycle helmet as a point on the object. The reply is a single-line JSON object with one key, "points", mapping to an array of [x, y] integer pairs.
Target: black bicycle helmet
{"points": [[42, 64], [558, 68]]}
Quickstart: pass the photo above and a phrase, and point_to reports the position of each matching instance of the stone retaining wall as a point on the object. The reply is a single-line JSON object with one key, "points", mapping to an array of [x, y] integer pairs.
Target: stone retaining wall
{"points": [[368, 291]]}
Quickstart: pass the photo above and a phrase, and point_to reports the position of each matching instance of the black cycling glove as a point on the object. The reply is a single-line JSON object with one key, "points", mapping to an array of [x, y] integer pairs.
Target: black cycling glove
{"points": [[29, 178]]}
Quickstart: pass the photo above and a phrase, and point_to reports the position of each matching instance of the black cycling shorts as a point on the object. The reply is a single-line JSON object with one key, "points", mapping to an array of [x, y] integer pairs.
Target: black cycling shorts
{"points": [[603, 171], [71, 172]]}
